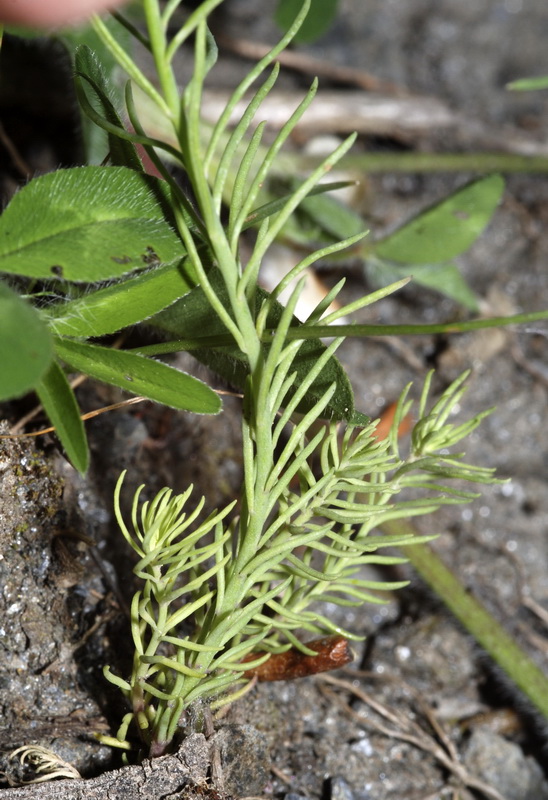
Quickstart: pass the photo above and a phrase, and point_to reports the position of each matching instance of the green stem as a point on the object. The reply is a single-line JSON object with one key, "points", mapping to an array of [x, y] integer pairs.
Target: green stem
{"points": [[158, 46], [127, 64], [319, 331], [190, 140], [476, 619]]}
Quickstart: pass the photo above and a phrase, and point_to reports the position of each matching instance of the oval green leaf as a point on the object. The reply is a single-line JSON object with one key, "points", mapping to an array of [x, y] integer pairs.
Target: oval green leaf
{"points": [[318, 21], [139, 375], [443, 278], [26, 347], [447, 229], [87, 224]]}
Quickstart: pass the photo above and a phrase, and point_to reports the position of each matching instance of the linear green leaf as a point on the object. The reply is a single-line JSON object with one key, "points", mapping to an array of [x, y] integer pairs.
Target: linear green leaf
{"points": [[336, 218], [528, 84], [127, 303], [92, 80], [139, 375], [60, 405], [477, 620]]}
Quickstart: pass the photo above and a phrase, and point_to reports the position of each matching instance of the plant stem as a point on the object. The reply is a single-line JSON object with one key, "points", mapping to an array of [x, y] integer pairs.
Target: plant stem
{"points": [[489, 633], [126, 62], [320, 331], [158, 44]]}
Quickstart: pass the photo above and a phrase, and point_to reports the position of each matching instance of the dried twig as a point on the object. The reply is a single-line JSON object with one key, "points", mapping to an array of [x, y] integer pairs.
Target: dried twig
{"points": [[407, 730], [16, 157], [301, 62]]}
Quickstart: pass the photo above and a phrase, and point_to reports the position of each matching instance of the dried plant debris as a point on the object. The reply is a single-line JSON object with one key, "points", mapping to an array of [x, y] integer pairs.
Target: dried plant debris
{"points": [[182, 775]]}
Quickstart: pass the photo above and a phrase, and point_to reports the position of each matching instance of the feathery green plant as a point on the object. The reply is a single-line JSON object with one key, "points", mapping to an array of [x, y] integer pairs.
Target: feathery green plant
{"points": [[215, 591], [218, 589], [110, 247], [90, 251]]}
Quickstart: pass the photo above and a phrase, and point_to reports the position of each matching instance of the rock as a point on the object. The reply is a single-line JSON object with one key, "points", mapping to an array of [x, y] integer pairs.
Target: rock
{"points": [[244, 757], [503, 765], [41, 698], [181, 775], [340, 790]]}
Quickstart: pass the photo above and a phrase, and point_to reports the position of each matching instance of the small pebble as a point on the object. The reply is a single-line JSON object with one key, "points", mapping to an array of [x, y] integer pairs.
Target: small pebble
{"points": [[340, 790], [504, 766]]}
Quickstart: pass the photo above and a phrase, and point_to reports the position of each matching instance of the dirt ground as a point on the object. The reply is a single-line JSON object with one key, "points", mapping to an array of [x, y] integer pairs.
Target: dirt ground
{"points": [[423, 712]]}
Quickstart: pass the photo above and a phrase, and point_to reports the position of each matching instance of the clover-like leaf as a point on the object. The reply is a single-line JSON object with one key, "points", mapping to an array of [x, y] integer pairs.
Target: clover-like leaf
{"points": [[25, 345], [87, 224]]}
